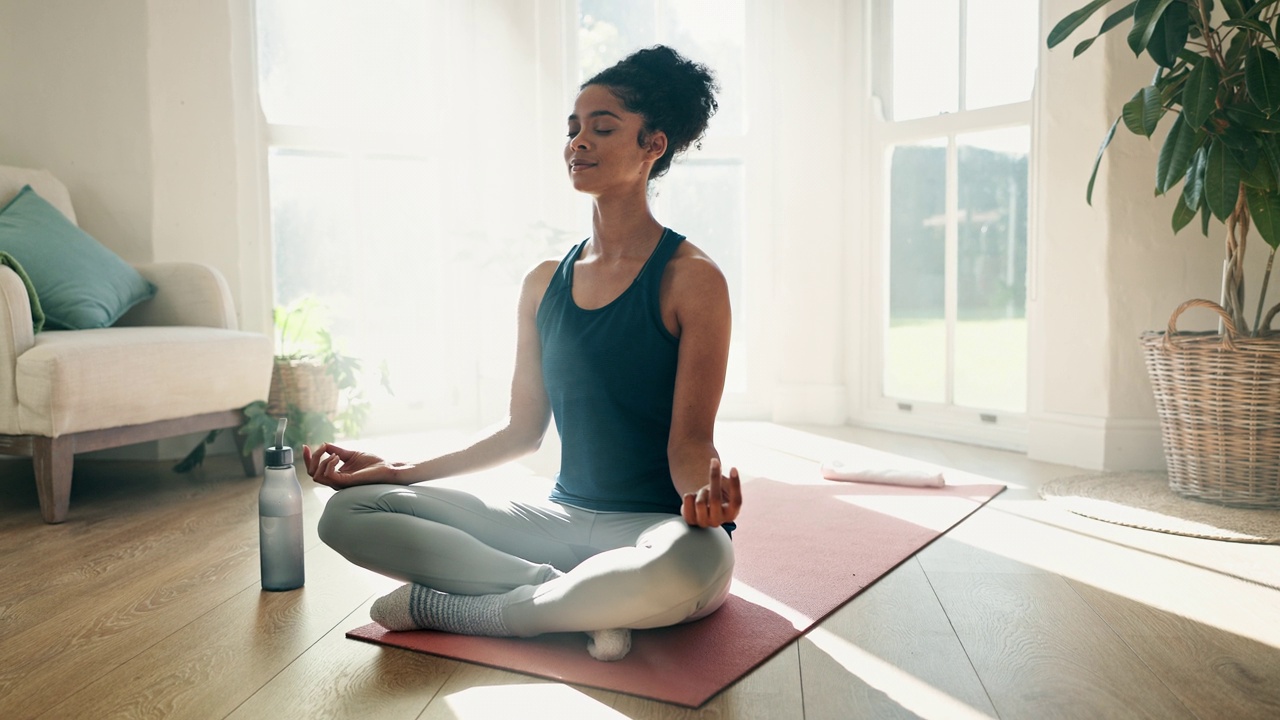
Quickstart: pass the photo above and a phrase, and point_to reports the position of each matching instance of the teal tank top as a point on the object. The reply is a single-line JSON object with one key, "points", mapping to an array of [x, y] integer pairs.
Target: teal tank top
{"points": [[610, 375]]}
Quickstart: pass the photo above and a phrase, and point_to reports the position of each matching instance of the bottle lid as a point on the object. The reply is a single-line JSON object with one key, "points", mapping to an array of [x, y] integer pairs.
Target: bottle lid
{"points": [[279, 455]]}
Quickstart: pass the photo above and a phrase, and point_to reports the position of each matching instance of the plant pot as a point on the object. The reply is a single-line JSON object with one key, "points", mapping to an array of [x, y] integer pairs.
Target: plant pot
{"points": [[1218, 398], [305, 384]]}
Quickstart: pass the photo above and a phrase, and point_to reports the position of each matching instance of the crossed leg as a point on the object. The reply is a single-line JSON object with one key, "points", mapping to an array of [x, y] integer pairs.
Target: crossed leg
{"points": [[499, 567]]}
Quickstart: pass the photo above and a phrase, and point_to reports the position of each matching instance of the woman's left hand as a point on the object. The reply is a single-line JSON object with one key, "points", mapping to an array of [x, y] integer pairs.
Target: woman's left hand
{"points": [[715, 503]]}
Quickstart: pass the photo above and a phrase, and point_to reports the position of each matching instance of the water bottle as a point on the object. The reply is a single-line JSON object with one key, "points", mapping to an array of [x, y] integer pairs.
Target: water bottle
{"points": [[280, 519]]}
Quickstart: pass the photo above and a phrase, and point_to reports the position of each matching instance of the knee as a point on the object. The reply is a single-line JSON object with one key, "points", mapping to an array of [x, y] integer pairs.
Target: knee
{"points": [[333, 527], [696, 560]]}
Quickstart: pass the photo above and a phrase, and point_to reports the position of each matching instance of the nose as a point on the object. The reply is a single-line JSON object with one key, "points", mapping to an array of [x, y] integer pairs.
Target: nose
{"points": [[579, 141]]}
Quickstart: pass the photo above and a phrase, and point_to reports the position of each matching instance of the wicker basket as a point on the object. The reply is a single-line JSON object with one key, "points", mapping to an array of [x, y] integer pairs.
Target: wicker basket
{"points": [[305, 384], [1218, 397]]}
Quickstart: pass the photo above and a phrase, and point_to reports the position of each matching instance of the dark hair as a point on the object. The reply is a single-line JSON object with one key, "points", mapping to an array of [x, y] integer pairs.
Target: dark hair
{"points": [[672, 94]]}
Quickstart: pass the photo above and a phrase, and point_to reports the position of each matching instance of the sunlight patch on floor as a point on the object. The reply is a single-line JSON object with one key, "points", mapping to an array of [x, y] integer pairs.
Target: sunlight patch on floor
{"points": [[531, 701], [1053, 540], [913, 694], [934, 513]]}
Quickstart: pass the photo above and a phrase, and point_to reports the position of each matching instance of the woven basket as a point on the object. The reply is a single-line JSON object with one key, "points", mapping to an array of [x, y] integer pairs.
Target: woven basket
{"points": [[305, 384], [1218, 397]]}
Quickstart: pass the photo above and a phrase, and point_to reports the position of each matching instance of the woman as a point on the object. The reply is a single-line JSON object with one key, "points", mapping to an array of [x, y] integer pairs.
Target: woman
{"points": [[625, 341]]}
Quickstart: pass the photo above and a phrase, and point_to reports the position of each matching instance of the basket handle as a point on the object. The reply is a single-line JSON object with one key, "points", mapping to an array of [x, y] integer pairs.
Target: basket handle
{"points": [[1222, 313]]}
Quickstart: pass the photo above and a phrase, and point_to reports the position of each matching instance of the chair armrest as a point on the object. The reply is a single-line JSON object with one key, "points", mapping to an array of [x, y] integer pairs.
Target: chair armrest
{"points": [[16, 337], [189, 294]]}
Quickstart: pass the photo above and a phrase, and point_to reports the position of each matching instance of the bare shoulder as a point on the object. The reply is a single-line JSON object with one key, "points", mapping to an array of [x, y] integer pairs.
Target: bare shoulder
{"points": [[535, 284], [692, 272]]}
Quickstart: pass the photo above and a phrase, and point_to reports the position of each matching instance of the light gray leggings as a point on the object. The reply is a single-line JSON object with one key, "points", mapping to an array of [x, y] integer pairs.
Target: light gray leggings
{"points": [[622, 570]]}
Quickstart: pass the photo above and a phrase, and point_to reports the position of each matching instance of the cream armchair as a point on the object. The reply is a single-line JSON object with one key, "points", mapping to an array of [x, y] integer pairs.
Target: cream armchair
{"points": [[174, 364]]}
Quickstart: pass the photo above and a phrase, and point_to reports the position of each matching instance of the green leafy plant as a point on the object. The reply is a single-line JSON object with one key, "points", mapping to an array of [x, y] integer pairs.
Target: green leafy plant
{"points": [[301, 337], [1218, 76]]}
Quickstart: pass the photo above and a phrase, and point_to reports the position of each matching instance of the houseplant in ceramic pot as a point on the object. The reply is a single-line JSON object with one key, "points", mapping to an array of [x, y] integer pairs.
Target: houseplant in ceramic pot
{"points": [[1217, 85]]}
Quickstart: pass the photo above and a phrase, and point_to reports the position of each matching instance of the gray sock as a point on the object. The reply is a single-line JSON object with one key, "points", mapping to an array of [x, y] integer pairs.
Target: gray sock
{"points": [[417, 607]]}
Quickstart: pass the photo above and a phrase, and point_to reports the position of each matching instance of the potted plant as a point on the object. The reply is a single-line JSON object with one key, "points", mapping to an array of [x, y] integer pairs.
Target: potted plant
{"points": [[312, 384], [1217, 80]]}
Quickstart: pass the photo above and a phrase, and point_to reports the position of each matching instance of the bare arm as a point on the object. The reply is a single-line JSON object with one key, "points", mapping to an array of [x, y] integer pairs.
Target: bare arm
{"points": [[527, 419], [700, 298]]}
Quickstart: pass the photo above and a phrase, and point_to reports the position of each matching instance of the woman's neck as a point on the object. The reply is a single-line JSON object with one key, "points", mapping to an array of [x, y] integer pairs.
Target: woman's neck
{"points": [[623, 228]]}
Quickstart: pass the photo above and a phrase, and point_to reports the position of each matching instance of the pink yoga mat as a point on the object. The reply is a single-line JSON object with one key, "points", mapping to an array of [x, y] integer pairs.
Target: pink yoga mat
{"points": [[801, 551]]}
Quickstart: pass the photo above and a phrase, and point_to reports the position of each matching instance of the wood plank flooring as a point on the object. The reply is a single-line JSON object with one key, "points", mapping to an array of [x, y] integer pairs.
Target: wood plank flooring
{"points": [[146, 604]]}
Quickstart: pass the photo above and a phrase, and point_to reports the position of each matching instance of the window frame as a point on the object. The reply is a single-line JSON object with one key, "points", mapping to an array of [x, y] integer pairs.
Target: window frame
{"points": [[945, 420]]}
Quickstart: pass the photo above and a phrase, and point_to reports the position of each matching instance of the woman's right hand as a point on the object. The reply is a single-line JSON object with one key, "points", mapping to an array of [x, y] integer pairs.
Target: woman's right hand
{"points": [[338, 467]]}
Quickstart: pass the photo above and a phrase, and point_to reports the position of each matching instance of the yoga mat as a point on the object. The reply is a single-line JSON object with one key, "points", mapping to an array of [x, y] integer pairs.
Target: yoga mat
{"points": [[801, 551]]}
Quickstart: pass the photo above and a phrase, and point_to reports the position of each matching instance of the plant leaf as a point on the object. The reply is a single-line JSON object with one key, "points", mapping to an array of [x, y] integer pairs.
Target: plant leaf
{"points": [[1170, 35], [1204, 216], [1088, 195], [1235, 9], [1182, 215], [1068, 24], [1221, 181], [1145, 15], [1199, 95], [1114, 19], [1248, 117], [1175, 155], [1262, 79], [1143, 112], [1193, 185], [1254, 25], [1256, 9], [1264, 209]]}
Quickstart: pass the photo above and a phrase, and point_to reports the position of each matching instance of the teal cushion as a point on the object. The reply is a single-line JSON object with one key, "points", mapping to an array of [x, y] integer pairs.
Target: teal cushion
{"points": [[81, 284]]}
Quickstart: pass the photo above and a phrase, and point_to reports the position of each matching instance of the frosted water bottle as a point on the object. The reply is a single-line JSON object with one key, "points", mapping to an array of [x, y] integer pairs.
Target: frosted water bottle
{"points": [[280, 519]]}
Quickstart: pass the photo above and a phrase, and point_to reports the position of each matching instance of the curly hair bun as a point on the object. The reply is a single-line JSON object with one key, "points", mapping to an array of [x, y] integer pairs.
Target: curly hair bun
{"points": [[672, 93]]}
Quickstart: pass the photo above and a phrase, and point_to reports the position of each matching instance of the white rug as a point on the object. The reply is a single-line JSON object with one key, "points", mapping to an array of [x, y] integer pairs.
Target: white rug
{"points": [[1144, 500]]}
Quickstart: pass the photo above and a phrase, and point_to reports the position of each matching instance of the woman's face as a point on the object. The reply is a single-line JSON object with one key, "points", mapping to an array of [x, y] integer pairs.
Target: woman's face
{"points": [[603, 153]]}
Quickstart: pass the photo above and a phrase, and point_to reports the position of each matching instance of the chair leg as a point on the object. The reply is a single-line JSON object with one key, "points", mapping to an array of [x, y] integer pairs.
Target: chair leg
{"points": [[53, 459], [252, 462]]}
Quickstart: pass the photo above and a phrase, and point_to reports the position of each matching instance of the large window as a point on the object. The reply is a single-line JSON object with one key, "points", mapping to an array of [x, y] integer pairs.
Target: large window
{"points": [[954, 81]]}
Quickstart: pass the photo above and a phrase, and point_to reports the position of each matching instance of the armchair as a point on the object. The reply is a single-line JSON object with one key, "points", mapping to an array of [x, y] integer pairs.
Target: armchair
{"points": [[172, 365]]}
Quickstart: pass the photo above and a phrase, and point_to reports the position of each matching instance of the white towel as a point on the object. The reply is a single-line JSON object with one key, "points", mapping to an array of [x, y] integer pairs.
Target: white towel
{"points": [[837, 470]]}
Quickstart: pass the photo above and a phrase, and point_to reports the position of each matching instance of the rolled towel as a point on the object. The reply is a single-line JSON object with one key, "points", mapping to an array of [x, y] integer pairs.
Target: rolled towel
{"points": [[837, 470]]}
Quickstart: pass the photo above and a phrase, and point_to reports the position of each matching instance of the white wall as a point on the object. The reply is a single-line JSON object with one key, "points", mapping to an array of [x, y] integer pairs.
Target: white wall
{"points": [[1101, 275], [73, 78]]}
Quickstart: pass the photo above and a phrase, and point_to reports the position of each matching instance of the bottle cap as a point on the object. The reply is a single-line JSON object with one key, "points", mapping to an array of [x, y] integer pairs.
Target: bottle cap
{"points": [[279, 455]]}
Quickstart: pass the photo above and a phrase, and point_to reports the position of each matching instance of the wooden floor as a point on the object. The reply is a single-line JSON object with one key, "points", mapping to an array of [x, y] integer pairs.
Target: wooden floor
{"points": [[146, 604]]}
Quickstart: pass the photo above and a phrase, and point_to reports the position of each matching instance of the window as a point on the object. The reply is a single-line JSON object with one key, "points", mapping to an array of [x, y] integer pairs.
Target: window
{"points": [[954, 81]]}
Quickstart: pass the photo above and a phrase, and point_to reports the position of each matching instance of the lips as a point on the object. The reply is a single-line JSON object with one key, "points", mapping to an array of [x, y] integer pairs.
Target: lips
{"points": [[576, 165]]}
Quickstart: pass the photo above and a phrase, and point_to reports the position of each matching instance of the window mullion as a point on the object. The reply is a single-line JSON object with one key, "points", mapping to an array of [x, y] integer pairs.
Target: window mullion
{"points": [[962, 64], [951, 269]]}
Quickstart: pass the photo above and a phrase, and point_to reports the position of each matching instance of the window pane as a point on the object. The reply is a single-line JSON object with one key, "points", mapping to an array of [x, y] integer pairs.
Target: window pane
{"points": [[926, 55], [706, 31], [991, 332], [705, 201], [1001, 47], [331, 63], [915, 360]]}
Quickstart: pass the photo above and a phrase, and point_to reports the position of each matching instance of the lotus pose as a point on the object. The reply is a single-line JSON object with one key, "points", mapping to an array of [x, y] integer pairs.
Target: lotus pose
{"points": [[625, 341]]}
